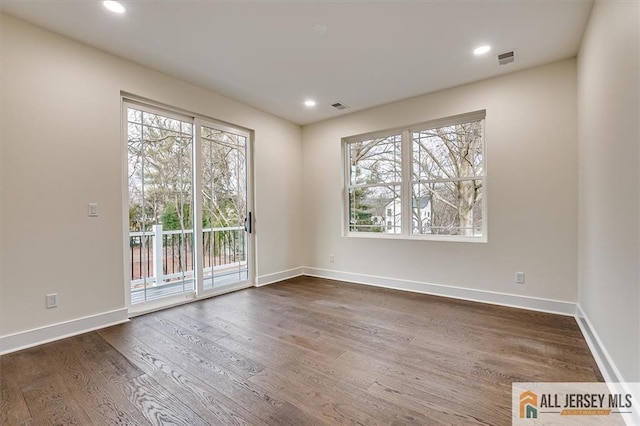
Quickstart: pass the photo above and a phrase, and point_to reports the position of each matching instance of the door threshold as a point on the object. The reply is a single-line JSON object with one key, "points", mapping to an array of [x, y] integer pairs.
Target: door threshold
{"points": [[182, 299]]}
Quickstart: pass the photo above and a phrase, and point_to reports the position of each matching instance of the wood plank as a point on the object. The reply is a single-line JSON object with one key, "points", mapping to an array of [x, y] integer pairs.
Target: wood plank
{"points": [[226, 382], [279, 327], [329, 398], [13, 407], [100, 398], [200, 396], [290, 415], [439, 406], [115, 367], [50, 402], [276, 352], [312, 401], [158, 405], [239, 363]]}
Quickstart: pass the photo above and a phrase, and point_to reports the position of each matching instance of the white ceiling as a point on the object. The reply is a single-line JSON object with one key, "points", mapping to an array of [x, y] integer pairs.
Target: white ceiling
{"points": [[271, 55]]}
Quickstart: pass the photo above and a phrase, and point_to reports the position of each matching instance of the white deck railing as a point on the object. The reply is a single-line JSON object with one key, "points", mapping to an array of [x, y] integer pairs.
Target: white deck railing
{"points": [[161, 257]]}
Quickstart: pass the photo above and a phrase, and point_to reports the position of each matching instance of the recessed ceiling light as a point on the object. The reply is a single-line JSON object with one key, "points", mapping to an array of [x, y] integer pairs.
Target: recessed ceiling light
{"points": [[309, 103], [481, 50], [114, 6]]}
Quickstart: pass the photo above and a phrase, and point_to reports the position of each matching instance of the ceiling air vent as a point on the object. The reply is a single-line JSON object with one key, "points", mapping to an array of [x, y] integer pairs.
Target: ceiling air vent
{"points": [[506, 58], [339, 106]]}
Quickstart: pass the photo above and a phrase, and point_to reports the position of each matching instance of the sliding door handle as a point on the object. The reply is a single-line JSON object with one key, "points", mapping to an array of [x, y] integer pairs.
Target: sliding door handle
{"points": [[248, 223]]}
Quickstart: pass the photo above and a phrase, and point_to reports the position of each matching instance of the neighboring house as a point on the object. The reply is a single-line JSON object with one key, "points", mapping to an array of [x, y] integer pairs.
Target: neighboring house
{"points": [[393, 216], [377, 220]]}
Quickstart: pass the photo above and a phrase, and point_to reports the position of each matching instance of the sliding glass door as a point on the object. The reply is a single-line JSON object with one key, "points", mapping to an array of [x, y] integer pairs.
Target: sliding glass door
{"points": [[184, 241], [225, 215]]}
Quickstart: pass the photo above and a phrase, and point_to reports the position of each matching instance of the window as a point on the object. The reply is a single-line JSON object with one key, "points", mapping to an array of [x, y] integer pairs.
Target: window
{"points": [[424, 181]]}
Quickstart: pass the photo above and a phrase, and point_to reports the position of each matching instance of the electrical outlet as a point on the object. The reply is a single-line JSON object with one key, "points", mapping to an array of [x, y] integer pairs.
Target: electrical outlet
{"points": [[93, 209], [52, 300], [519, 277], [331, 258]]}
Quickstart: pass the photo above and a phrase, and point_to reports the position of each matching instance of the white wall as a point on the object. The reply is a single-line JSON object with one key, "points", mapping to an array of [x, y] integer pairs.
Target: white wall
{"points": [[61, 149], [532, 189], [609, 139]]}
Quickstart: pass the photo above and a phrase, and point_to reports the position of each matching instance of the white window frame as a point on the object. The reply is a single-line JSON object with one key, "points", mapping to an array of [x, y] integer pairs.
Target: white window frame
{"points": [[406, 180]]}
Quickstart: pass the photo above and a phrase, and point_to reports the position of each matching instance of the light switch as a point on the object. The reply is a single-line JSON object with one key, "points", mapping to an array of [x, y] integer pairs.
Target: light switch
{"points": [[93, 209]]}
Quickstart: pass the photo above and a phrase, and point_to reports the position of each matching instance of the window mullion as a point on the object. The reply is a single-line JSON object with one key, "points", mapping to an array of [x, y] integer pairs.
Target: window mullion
{"points": [[197, 204], [346, 165], [406, 184], [374, 185]]}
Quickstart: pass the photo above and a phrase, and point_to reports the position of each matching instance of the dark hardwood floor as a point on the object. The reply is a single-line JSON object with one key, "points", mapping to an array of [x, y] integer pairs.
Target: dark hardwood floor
{"points": [[304, 351]]}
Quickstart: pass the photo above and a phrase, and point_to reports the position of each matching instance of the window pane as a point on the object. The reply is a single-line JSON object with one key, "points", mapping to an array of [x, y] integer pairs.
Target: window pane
{"points": [[448, 208], [162, 122], [222, 137], [160, 205], [224, 195], [134, 115], [448, 152], [368, 209], [137, 220], [224, 178], [375, 161], [186, 128]]}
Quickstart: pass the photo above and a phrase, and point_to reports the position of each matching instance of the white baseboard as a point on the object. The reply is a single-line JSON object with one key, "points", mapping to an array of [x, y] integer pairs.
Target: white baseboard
{"points": [[607, 367], [278, 276], [38, 336], [484, 296]]}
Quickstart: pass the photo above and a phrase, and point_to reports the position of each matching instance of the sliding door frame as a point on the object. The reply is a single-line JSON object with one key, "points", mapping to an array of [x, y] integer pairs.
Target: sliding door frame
{"points": [[129, 100], [197, 153]]}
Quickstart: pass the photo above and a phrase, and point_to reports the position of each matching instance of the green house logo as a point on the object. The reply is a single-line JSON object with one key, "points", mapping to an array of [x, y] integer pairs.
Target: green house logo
{"points": [[528, 405]]}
